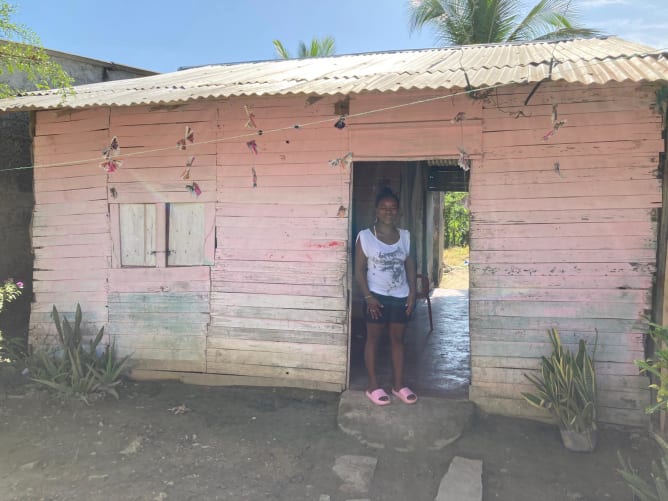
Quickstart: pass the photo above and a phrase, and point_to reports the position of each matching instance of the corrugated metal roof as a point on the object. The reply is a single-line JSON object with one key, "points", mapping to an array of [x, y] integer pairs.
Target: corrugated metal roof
{"points": [[587, 61]]}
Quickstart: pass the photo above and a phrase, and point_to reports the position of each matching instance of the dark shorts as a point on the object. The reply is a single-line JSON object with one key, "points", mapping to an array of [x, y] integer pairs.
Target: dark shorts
{"points": [[393, 310]]}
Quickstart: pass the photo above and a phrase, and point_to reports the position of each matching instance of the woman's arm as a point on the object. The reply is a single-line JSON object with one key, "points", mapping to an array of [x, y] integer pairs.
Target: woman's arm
{"points": [[411, 276], [360, 275], [360, 268]]}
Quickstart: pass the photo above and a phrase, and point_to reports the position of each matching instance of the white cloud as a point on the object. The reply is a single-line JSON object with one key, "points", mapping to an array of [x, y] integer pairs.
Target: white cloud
{"points": [[602, 3], [646, 31]]}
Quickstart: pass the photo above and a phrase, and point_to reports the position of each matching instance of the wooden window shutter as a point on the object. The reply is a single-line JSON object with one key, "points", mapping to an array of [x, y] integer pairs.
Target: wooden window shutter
{"points": [[189, 234], [137, 225]]}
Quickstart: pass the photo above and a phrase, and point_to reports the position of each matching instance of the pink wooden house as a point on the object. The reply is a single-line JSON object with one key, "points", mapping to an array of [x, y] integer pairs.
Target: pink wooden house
{"points": [[226, 259]]}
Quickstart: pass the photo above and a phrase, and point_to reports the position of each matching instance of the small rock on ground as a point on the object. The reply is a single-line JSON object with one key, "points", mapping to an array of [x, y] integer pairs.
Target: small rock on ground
{"points": [[462, 482], [356, 473]]}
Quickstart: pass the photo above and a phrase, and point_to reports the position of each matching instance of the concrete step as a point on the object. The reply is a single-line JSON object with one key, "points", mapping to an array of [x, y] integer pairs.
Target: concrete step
{"points": [[430, 423]]}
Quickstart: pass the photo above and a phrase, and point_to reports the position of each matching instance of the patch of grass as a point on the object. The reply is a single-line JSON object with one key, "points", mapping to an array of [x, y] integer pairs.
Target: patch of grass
{"points": [[455, 256]]}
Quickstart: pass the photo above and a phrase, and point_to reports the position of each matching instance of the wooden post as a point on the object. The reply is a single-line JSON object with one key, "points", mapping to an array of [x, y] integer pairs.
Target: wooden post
{"points": [[661, 298]]}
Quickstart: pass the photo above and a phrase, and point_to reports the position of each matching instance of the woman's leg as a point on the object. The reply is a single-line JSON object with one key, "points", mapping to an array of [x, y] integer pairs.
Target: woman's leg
{"points": [[373, 334], [397, 345]]}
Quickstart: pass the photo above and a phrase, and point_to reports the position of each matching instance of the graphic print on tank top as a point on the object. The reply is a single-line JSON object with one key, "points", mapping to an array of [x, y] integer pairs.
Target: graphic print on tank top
{"points": [[386, 269], [391, 265]]}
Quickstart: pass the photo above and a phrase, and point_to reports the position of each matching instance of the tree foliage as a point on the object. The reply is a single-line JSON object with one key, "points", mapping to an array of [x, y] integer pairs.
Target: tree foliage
{"points": [[21, 52], [466, 22], [317, 48], [456, 220], [656, 366]]}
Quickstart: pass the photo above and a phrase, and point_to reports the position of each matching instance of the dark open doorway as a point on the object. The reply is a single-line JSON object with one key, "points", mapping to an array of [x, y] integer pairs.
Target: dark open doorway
{"points": [[437, 362]]}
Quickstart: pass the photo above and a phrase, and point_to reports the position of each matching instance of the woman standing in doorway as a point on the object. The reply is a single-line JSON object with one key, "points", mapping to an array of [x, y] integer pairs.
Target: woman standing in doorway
{"points": [[385, 271]]}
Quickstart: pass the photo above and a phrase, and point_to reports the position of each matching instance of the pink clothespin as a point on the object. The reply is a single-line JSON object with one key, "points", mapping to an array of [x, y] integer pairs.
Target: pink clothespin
{"points": [[111, 165], [555, 127], [194, 189], [252, 146], [556, 123], [254, 177]]}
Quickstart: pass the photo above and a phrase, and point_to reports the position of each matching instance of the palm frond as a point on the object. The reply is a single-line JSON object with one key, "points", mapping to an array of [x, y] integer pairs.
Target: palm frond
{"points": [[463, 22], [281, 51]]}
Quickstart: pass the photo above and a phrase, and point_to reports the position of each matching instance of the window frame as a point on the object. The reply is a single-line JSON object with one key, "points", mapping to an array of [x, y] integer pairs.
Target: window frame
{"points": [[161, 236]]}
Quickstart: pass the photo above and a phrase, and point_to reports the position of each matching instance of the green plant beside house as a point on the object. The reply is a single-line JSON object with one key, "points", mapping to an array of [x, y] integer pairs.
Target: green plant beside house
{"points": [[9, 291], [73, 368], [657, 368], [566, 388]]}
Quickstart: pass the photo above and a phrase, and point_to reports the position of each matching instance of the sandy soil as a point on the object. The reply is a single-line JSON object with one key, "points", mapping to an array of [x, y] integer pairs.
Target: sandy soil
{"points": [[172, 441]]}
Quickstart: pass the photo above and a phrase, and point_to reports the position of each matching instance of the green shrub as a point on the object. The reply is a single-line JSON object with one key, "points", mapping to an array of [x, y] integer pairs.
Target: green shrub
{"points": [[9, 291], [456, 220], [654, 366], [566, 386], [657, 488], [74, 369]]}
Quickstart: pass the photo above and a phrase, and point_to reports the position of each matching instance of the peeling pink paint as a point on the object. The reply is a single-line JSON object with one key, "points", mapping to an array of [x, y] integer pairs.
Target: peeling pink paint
{"points": [[328, 245]]}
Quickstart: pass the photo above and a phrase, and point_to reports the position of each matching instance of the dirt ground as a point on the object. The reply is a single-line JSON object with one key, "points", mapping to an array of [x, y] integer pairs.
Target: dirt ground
{"points": [[456, 278], [169, 441]]}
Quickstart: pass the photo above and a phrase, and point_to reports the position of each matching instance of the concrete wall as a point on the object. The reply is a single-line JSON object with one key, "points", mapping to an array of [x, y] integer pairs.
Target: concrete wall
{"points": [[16, 186]]}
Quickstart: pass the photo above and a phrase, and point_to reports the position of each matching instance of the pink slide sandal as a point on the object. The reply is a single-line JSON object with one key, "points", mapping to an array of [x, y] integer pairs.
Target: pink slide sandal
{"points": [[406, 395], [378, 397]]}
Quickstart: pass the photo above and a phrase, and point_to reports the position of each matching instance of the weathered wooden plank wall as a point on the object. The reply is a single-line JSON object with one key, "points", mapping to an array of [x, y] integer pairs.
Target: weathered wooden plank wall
{"points": [[161, 314], [70, 227], [572, 247], [279, 284]]}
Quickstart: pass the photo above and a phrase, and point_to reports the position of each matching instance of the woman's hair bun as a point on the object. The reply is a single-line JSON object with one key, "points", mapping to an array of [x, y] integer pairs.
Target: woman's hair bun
{"points": [[386, 192]]}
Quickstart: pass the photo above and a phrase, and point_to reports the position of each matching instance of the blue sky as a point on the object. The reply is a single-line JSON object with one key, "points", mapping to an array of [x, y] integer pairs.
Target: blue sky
{"points": [[167, 34]]}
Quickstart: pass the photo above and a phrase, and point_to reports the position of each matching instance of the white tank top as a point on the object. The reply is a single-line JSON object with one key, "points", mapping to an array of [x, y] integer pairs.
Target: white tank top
{"points": [[386, 270]]}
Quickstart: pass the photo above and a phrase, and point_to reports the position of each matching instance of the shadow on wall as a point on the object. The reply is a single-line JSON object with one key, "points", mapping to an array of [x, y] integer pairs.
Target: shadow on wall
{"points": [[16, 204]]}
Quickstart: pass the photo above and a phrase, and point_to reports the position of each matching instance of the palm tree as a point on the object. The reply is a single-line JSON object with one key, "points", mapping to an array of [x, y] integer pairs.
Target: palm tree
{"points": [[318, 48], [465, 22]]}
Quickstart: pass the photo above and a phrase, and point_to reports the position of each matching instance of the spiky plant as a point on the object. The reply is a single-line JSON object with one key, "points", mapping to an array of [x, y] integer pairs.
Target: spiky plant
{"points": [[657, 488], [566, 386], [76, 370]]}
